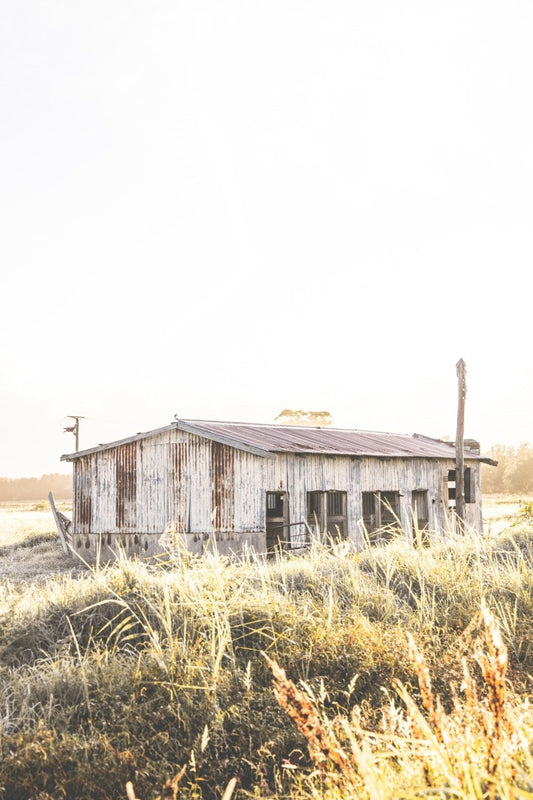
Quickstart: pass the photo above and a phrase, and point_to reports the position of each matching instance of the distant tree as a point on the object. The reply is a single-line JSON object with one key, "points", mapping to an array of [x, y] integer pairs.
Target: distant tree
{"points": [[24, 489], [311, 418], [520, 471], [514, 473]]}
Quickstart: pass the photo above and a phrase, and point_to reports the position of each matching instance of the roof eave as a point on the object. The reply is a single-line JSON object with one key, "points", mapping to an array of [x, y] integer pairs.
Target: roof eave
{"points": [[109, 445]]}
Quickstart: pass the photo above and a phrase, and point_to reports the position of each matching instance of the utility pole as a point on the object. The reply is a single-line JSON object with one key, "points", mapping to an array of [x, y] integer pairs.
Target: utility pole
{"points": [[459, 445], [75, 429]]}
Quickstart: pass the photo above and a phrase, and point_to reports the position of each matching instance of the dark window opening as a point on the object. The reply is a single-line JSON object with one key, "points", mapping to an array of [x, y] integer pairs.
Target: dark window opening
{"points": [[451, 484], [335, 503], [326, 513], [369, 510], [468, 486], [390, 508], [381, 514], [274, 504], [314, 504]]}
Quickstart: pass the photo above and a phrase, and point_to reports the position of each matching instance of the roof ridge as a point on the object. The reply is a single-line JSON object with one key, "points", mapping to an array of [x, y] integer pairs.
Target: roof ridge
{"points": [[287, 426]]}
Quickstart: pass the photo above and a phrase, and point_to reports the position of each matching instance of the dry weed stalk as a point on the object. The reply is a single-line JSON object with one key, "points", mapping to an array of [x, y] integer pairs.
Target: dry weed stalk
{"points": [[431, 703], [496, 724], [130, 791], [170, 788], [469, 688], [490, 719], [323, 745], [494, 669]]}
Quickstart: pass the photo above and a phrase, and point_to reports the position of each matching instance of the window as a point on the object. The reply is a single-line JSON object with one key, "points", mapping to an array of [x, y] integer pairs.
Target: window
{"points": [[335, 503], [469, 486], [274, 506], [326, 513], [314, 505], [381, 513], [369, 511], [390, 508]]}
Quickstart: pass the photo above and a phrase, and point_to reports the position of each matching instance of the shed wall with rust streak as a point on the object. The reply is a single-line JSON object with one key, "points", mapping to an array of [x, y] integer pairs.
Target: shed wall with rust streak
{"points": [[176, 479], [185, 486]]}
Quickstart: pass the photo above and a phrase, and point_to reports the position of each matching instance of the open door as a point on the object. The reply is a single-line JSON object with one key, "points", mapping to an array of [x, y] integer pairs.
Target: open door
{"points": [[277, 522]]}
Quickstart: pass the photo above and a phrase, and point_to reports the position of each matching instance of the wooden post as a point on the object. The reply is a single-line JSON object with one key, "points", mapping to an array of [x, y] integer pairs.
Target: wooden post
{"points": [[459, 445], [75, 429]]}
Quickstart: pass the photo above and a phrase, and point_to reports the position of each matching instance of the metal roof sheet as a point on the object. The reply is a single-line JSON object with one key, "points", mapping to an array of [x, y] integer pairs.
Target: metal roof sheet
{"points": [[264, 440], [330, 441]]}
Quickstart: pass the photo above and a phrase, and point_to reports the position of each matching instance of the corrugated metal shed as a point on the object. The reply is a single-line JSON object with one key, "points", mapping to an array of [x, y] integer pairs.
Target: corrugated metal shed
{"points": [[265, 440]]}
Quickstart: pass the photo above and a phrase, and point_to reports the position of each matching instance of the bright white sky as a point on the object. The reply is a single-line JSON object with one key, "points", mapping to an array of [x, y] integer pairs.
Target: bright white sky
{"points": [[224, 209]]}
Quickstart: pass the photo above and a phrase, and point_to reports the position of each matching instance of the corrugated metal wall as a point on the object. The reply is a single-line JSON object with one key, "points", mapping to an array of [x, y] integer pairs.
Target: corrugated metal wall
{"points": [[184, 483]]}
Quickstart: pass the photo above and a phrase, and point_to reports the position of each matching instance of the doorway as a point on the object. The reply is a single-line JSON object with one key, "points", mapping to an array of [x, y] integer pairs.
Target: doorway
{"points": [[277, 522]]}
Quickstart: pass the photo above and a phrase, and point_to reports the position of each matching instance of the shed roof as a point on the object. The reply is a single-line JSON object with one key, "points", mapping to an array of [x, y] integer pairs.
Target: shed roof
{"points": [[266, 440]]}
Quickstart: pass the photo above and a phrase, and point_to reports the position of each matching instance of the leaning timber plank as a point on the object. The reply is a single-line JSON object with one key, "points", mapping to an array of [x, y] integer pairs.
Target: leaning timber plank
{"points": [[61, 524]]}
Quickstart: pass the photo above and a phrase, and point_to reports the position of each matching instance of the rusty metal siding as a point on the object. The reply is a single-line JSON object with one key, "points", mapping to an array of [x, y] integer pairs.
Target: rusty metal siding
{"points": [[154, 493], [222, 481], [125, 463], [104, 495], [83, 490], [249, 486], [183, 487], [220, 488], [177, 515], [198, 484]]}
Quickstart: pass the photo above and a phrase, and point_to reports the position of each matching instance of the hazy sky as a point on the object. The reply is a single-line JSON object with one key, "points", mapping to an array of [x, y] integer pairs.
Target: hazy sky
{"points": [[221, 209]]}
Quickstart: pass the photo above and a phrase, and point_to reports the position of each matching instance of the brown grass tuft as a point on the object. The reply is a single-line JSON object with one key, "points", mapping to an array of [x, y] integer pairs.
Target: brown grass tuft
{"points": [[323, 745]]}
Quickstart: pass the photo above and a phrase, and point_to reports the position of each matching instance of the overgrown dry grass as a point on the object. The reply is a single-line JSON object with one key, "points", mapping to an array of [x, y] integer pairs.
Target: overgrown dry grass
{"points": [[131, 671], [479, 748]]}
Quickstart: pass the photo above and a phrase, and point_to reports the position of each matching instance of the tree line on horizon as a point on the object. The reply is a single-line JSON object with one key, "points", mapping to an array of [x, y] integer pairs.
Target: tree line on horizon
{"points": [[28, 489], [514, 473]]}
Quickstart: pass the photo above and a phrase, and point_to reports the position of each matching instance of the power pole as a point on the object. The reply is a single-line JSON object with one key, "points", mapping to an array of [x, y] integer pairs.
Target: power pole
{"points": [[459, 445], [75, 429]]}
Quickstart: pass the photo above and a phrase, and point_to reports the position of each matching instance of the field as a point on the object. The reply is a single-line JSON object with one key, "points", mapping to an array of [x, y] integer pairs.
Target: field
{"points": [[29, 545], [407, 671]]}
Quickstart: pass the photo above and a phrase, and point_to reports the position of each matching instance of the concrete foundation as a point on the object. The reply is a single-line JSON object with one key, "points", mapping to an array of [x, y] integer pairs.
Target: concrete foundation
{"points": [[105, 547]]}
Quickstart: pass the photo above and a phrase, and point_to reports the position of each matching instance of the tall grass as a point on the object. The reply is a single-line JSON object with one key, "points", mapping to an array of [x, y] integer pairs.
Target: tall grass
{"points": [[479, 748], [130, 671]]}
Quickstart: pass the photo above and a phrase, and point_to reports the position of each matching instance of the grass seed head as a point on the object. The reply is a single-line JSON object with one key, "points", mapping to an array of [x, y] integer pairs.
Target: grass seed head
{"points": [[323, 745]]}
